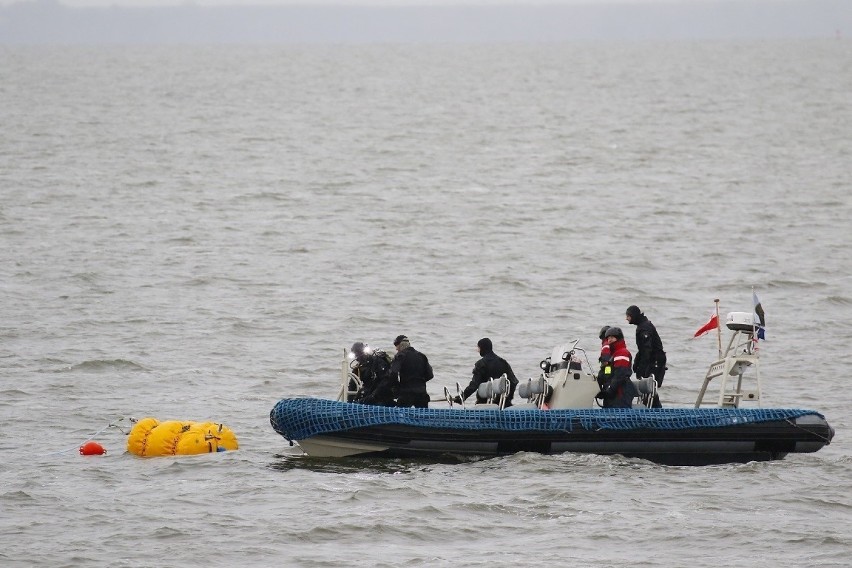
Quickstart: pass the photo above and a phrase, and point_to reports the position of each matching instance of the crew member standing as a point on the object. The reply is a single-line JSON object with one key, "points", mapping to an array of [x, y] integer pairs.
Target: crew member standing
{"points": [[490, 366], [618, 391], [650, 357], [605, 358], [413, 370]]}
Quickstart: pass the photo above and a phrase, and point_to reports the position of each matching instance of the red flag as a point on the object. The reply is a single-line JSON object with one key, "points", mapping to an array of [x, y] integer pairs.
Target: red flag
{"points": [[712, 324]]}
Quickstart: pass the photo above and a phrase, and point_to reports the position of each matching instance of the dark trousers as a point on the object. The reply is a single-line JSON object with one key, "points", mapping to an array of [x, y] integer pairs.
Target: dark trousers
{"points": [[415, 399], [659, 373]]}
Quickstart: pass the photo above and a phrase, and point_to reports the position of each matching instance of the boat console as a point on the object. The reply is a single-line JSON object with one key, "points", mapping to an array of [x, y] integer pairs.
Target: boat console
{"points": [[573, 383]]}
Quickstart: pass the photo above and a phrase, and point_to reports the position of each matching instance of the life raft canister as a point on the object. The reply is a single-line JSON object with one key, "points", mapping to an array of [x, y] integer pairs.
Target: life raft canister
{"points": [[150, 437]]}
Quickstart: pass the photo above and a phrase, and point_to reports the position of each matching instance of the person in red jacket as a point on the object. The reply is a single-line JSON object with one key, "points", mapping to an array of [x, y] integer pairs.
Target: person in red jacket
{"points": [[618, 391], [605, 358]]}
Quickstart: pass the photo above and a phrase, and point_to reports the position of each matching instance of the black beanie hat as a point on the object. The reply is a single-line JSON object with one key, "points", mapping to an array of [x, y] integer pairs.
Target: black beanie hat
{"points": [[484, 345], [634, 312], [399, 339], [614, 332]]}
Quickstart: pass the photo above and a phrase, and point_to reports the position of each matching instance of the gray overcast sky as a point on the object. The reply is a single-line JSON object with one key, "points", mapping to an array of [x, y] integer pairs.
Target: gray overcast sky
{"points": [[56, 21], [366, 2]]}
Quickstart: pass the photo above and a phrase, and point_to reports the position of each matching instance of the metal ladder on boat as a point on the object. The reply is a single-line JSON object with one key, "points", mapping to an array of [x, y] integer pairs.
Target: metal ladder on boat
{"points": [[740, 357], [347, 378]]}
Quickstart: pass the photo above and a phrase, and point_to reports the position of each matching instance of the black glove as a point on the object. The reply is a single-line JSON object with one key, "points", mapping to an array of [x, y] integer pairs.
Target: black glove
{"points": [[457, 399]]}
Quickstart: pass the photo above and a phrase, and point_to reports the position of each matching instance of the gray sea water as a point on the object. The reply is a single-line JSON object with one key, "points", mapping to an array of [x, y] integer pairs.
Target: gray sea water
{"points": [[195, 233]]}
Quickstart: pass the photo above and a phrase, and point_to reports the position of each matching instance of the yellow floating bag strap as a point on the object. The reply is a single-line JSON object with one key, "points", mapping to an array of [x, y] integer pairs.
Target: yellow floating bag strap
{"points": [[211, 435], [224, 436], [211, 431], [195, 440], [137, 439]]}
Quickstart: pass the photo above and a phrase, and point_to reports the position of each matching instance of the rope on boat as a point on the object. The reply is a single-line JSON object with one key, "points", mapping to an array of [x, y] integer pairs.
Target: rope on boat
{"points": [[301, 418], [792, 422]]}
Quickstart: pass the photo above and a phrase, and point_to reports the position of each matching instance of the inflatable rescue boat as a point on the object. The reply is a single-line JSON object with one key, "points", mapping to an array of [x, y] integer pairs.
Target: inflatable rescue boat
{"points": [[557, 413]]}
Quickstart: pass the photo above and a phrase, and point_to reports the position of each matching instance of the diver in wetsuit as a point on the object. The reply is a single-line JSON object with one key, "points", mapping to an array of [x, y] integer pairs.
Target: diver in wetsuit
{"points": [[373, 368], [650, 357], [490, 366]]}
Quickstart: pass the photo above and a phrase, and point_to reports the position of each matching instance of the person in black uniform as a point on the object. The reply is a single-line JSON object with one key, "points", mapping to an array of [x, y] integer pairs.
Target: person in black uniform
{"points": [[373, 368], [412, 369], [489, 367], [650, 357]]}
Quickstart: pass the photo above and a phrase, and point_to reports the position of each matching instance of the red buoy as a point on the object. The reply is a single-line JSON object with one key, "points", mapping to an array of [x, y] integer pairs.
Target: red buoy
{"points": [[92, 449]]}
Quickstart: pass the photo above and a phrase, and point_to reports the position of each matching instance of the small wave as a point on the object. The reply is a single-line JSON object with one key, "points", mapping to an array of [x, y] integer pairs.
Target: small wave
{"points": [[86, 276], [199, 281], [10, 393], [511, 281], [101, 365], [795, 284], [143, 184], [631, 292], [363, 465], [181, 241], [17, 497], [169, 533], [244, 325], [839, 301], [365, 319], [264, 196], [828, 204], [468, 190]]}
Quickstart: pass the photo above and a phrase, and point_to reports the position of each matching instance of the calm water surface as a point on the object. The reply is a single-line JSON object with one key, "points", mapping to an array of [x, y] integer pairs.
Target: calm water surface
{"points": [[196, 233]]}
